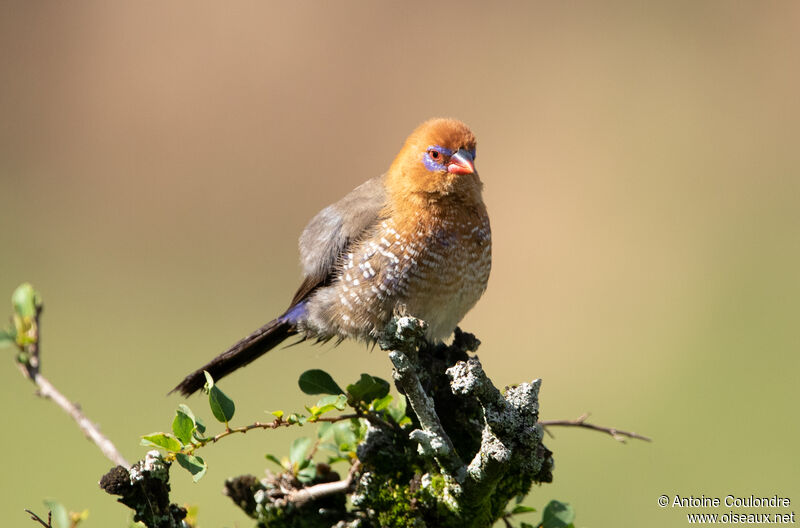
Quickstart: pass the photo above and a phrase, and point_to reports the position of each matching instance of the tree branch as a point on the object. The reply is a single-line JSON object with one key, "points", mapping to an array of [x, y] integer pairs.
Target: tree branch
{"points": [[303, 495], [35, 517], [30, 367], [404, 336], [617, 434]]}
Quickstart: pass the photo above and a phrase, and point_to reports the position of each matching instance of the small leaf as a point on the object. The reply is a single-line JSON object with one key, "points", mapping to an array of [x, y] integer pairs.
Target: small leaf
{"points": [[344, 436], [25, 299], [299, 450], [330, 447], [398, 411], [318, 381], [381, 404], [162, 440], [273, 458], [277, 414], [307, 474], [339, 401], [329, 403], [209, 380], [201, 426], [368, 388], [6, 339], [193, 464], [183, 424], [60, 514], [519, 508], [324, 429], [222, 407], [557, 515]]}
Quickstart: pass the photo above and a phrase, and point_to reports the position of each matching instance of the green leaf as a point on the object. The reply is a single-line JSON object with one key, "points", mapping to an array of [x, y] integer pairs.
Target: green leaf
{"points": [[526, 525], [333, 448], [162, 440], [277, 414], [6, 339], [299, 450], [381, 404], [201, 426], [557, 515], [368, 388], [60, 514], [324, 429], [329, 403], [519, 508], [307, 474], [25, 299], [273, 458], [183, 425], [193, 464], [222, 407], [398, 411], [344, 436], [318, 381], [339, 401]]}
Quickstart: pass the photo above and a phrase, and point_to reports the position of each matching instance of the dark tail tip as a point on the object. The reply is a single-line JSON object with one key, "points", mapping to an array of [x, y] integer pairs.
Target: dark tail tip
{"points": [[248, 349]]}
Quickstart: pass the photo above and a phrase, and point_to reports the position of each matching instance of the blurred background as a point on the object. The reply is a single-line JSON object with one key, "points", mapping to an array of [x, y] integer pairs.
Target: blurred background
{"points": [[640, 160]]}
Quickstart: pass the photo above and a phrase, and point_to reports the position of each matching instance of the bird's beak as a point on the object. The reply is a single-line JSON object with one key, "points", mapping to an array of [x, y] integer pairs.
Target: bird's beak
{"points": [[461, 163]]}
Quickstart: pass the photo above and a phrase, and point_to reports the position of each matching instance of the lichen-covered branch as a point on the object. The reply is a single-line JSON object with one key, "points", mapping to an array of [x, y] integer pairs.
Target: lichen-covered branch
{"points": [[498, 433], [432, 438], [510, 438]]}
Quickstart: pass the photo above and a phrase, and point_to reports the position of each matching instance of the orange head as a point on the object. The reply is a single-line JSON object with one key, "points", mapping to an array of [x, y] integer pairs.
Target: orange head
{"points": [[436, 161]]}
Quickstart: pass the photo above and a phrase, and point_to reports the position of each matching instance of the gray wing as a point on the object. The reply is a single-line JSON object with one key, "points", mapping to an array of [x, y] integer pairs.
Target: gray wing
{"points": [[331, 232]]}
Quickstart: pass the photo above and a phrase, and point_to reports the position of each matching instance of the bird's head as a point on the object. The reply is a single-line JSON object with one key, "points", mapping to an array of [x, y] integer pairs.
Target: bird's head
{"points": [[437, 159]]}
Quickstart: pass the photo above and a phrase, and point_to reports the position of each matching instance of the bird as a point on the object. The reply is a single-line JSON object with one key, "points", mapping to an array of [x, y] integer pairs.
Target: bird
{"points": [[415, 240]]}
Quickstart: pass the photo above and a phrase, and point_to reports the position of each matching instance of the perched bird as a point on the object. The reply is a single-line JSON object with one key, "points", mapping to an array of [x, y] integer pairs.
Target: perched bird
{"points": [[414, 241]]}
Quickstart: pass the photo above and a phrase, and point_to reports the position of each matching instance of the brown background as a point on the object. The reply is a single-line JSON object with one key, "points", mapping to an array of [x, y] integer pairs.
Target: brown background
{"points": [[157, 162]]}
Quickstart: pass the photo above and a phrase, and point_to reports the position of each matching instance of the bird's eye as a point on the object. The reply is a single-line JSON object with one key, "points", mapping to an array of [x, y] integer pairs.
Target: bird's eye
{"points": [[435, 154]]}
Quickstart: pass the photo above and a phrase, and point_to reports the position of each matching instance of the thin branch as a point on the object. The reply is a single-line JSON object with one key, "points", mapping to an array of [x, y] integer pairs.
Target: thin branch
{"points": [[30, 368], [278, 422], [301, 496], [617, 434], [35, 517]]}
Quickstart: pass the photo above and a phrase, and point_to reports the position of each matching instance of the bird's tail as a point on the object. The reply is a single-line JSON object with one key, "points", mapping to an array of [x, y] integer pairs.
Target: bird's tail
{"points": [[251, 347]]}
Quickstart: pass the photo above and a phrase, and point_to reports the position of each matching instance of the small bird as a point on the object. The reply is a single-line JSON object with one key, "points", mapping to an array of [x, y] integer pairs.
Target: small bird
{"points": [[413, 241]]}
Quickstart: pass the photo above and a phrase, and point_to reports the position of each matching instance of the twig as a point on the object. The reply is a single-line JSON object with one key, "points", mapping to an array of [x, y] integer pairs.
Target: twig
{"points": [[301, 496], [39, 519], [30, 368], [617, 434], [278, 422]]}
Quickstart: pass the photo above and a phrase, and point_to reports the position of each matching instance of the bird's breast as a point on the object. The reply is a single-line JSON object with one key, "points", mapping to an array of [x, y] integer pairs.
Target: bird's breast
{"points": [[434, 267]]}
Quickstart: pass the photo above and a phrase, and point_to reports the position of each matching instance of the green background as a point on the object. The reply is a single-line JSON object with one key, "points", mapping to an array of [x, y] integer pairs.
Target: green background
{"points": [[641, 169]]}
